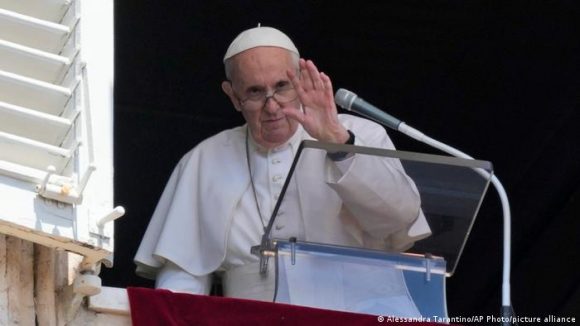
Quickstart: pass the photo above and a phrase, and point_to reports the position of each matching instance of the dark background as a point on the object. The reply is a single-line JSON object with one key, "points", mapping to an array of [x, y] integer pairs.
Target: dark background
{"points": [[498, 80]]}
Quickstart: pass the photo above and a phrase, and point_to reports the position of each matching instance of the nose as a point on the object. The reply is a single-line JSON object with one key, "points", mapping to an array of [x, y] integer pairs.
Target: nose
{"points": [[271, 105]]}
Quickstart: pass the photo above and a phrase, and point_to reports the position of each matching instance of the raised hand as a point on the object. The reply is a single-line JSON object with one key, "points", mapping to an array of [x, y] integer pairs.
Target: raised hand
{"points": [[319, 115]]}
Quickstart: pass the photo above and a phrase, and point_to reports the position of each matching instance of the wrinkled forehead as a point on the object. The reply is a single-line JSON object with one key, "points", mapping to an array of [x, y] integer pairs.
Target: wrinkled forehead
{"points": [[262, 65]]}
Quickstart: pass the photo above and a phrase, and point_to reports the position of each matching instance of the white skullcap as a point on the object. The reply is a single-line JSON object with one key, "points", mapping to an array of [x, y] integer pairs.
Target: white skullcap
{"points": [[259, 36]]}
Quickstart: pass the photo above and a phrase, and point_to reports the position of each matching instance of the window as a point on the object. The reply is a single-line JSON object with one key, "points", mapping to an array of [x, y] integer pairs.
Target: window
{"points": [[56, 102]]}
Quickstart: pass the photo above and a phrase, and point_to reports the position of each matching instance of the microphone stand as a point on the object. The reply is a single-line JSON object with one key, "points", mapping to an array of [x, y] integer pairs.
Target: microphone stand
{"points": [[506, 309], [347, 98]]}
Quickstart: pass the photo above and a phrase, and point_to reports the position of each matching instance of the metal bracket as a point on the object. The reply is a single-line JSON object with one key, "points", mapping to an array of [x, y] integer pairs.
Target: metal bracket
{"points": [[117, 212], [63, 190], [428, 266], [293, 250], [264, 251]]}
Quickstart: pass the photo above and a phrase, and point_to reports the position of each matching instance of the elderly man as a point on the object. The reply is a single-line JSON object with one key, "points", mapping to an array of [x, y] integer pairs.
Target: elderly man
{"points": [[222, 193]]}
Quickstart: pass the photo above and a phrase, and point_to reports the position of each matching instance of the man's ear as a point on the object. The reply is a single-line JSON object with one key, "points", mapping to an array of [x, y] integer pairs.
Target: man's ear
{"points": [[227, 88]]}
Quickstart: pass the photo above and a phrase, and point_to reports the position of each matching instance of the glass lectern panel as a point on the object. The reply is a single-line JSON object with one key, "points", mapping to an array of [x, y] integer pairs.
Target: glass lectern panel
{"points": [[382, 200], [358, 280]]}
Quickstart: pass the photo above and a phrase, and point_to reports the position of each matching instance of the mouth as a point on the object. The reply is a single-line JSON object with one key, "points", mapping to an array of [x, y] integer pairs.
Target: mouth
{"points": [[272, 120]]}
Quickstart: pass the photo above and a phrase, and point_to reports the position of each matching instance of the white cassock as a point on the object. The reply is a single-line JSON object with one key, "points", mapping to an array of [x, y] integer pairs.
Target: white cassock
{"points": [[207, 220]]}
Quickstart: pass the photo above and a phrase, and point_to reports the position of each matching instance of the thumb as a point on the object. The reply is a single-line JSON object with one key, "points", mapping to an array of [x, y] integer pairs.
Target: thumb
{"points": [[294, 114]]}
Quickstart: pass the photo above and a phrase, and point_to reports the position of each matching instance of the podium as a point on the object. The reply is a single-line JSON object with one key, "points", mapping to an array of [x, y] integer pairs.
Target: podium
{"points": [[359, 271]]}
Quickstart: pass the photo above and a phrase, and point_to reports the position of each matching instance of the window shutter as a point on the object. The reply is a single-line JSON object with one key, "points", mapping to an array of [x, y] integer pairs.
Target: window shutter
{"points": [[56, 130]]}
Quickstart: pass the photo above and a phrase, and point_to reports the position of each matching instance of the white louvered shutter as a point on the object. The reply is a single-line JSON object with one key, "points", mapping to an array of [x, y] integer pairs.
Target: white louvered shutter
{"points": [[56, 102]]}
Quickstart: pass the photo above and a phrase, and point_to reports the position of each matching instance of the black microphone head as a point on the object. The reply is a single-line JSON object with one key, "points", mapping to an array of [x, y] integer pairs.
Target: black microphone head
{"points": [[344, 98]]}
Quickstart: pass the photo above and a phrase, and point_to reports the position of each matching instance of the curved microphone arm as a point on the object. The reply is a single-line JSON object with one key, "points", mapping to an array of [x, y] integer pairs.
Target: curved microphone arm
{"points": [[416, 134], [350, 101]]}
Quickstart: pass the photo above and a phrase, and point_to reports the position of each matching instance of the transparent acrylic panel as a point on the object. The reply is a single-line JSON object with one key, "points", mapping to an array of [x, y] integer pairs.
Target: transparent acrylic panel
{"points": [[371, 199], [359, 280]]}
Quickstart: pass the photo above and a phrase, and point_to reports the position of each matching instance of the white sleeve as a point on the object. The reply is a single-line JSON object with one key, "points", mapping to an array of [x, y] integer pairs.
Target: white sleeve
{"points": [[172, 277]]}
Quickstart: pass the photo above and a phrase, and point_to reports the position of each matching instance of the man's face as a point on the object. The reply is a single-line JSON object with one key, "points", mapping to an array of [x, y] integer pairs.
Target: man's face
{"points": [[256, 72]]}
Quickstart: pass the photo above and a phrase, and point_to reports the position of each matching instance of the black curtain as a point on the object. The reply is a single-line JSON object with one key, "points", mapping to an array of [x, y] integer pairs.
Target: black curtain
{"points": [[498, 80]]}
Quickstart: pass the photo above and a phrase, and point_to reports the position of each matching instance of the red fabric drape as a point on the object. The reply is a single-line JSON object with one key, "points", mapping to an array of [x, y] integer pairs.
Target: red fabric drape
{"points": [[162, 307]]}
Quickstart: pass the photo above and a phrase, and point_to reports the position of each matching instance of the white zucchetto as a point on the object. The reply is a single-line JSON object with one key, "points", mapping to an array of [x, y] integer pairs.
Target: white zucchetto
{"points": [[259, 36]]}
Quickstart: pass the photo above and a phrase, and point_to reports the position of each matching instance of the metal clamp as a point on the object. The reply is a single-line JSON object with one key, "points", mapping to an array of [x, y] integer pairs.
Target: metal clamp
{"points": [[293, 250], [428, 266]]}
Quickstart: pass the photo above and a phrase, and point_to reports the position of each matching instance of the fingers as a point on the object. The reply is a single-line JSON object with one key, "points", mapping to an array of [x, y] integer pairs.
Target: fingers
{"points": [[296, 82], [294, 114], [327, 84], [314, 75], [314, 88], [305, 77], [310, 76]]}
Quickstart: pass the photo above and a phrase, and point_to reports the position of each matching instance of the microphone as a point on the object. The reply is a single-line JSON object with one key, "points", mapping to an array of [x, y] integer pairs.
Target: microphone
{"points": [[351, 102]]}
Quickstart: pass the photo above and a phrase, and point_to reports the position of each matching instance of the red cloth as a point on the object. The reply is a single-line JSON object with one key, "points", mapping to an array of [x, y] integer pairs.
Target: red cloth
{"points": [[163, 307]]}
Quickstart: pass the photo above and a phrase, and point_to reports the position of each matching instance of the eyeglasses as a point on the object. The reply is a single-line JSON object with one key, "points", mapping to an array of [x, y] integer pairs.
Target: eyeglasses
{"points": [[259, 98]]}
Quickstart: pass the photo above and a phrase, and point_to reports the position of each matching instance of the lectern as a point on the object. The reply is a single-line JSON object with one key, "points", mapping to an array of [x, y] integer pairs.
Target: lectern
{"points": [[362, 276]]}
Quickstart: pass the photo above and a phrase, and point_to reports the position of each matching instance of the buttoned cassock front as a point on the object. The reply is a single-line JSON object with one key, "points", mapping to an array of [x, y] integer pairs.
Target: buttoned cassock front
{"points": [[374, 203]]}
